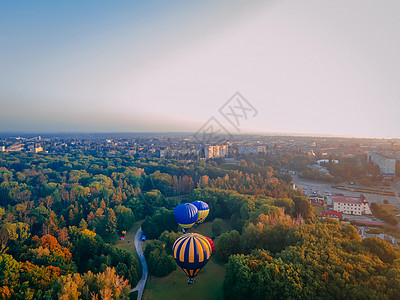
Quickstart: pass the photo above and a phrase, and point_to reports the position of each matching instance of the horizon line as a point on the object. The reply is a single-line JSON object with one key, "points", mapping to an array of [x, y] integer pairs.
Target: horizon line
{"points": [[271, 134]]}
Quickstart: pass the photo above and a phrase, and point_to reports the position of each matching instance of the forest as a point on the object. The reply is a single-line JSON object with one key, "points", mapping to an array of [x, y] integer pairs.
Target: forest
{"points": [[60, 216]]}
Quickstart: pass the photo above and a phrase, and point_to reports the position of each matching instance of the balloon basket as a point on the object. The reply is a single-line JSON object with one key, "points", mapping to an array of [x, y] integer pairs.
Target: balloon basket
{"points": [[191, 281]]}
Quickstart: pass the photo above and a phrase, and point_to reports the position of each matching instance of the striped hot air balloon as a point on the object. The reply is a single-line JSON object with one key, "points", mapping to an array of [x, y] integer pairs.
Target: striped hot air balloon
{"points": [[211, 244], [203, 209], [191, 252], [186, 214]]}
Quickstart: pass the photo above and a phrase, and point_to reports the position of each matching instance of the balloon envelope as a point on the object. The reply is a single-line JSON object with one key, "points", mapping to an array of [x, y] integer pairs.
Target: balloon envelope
{"points": [[191, 252], [211, 244], [186, 214], [203, 209]]}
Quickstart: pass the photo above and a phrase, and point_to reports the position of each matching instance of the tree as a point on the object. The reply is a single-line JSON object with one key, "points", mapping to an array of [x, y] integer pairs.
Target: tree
{"points": [[163, 219], [159, 262], [169, 238], [70, 286], [63, 236], [227, 244], [83, 224], [110, 224], [217, 227], [9, 270], [105, 285], [381, 248], [303, 208], [125, 218]]}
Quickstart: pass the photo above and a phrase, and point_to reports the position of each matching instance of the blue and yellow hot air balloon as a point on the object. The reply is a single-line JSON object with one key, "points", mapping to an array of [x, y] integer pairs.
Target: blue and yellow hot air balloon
{"points": [[203, 209], [186, 214], [191, 252]]}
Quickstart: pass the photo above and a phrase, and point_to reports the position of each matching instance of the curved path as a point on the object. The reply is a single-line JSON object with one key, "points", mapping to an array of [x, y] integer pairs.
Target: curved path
{"points": [[138, 245]]}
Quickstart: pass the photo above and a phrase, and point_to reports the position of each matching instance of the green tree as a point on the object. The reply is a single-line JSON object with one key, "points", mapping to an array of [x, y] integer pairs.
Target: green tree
{"points": [[9, 270], [227, 244], [159, 262], [303, 208], [381, 248], [125, 218], [110, 224], [163, 219], [169, 238], [217, 227]]}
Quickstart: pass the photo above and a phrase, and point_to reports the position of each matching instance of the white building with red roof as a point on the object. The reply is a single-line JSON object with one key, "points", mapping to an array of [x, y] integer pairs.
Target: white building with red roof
{"points": [[349, 205]]}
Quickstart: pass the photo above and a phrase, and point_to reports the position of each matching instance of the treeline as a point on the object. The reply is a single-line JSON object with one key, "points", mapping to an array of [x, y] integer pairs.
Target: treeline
{"points": [[279, 250], [312, 261], [353, 169], [230, 205], [282, 252], [239, 209], [57, 218], [277, 256], [81, 204]]}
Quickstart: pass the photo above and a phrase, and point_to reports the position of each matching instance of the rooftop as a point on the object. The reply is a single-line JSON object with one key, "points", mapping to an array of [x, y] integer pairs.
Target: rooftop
{"points": [[331, 213]]}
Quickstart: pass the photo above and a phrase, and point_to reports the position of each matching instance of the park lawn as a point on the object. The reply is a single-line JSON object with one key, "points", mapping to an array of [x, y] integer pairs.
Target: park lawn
{"points": [[206, 228], [128, 243], [208, 284]]}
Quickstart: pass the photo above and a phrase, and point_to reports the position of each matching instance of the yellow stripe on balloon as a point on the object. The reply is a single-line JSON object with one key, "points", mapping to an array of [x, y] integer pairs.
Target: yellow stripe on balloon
{"points": [[200, 250], [202, 215], [183, 248], [191, 250], [186, 225], [176, 245]]}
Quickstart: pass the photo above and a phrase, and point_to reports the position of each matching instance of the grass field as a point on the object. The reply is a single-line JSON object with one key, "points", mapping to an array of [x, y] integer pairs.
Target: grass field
{"points": [[206, 228], [128, 243], [208, 283]]}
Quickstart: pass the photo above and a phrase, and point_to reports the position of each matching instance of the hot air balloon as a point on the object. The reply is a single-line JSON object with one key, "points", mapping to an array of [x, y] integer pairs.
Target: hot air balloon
{"points": [[186, 215], [203, 209], [191, 252], [211, 244]]}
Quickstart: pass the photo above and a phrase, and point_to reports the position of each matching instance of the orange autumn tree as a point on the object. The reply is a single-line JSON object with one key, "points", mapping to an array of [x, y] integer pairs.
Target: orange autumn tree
{"points": [[49, 252], [50, 242]]}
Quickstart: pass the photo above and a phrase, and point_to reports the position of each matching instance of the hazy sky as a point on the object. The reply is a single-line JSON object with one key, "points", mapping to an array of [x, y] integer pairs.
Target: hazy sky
{"points": [[310, 66]]}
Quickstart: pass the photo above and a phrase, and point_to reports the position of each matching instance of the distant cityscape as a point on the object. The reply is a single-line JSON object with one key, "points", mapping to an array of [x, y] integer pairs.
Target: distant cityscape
{"points": [[384, 153]]}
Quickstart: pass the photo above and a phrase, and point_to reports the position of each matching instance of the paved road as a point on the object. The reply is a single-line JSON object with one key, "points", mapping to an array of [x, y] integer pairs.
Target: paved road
{"points": [[321, 187], [138, 245]]}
